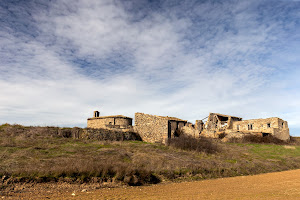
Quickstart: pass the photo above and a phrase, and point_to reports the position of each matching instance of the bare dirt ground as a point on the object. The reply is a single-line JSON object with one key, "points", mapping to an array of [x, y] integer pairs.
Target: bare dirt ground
{"points": [[279, 185]]}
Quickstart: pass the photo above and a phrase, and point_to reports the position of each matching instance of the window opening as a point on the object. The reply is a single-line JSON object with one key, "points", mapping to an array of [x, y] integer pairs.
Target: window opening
{"points": [[250, 126]]}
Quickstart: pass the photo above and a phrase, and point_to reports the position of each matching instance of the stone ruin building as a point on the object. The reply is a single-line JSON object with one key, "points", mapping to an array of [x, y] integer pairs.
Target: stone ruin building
{"points": [[153, 128], [114, 122], [219, 124]]}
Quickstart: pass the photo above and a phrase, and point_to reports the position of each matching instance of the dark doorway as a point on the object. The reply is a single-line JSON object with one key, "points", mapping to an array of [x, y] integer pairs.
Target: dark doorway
{"points": [[265, 134], [169, 129]]}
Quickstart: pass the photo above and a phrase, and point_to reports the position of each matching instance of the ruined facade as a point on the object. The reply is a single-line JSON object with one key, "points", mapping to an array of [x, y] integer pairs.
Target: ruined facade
{"points": [[153, 128], [109, 122], [218, 124], [274, 126]]}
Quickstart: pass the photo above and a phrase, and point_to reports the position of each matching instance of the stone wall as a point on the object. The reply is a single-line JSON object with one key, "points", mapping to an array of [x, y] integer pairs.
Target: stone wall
{"points": [[109, 122], [191, 131], [209, 133], [151, 128], [274, 126], [256, 125], [99, 122], [154, 128], [199, 125], [123, 122], [109, 134], [218, 122], [282, 134]]}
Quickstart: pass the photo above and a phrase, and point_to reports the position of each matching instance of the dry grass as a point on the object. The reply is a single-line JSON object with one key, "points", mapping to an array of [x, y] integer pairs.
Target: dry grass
{"points": [[50, 157]]}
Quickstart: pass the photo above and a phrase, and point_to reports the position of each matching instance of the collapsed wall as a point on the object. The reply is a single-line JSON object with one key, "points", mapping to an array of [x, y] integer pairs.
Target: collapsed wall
{"points": [[219, 124], [109, 134]]}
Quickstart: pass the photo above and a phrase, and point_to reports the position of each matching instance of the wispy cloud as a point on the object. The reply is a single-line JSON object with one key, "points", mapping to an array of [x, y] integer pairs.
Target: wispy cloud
{"points": [[60, 60]]}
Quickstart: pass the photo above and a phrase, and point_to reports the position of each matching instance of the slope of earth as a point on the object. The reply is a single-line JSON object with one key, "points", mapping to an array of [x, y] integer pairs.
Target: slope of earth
{"points": [[278, 185]]}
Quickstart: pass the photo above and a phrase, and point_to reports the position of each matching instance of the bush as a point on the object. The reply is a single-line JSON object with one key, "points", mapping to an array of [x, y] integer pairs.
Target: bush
{"points": [[190, 143], [222, 135]]}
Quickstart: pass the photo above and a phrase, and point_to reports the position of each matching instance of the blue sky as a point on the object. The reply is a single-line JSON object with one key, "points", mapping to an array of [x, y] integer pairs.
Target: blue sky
{"points": [[61, 60]]}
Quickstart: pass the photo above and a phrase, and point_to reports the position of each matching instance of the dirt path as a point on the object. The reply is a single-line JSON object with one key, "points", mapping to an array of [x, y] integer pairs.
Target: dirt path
{"points": [[280, 185]]}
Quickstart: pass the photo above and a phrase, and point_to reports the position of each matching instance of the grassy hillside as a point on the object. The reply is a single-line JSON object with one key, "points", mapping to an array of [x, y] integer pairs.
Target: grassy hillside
{"points": [[41, 157]]}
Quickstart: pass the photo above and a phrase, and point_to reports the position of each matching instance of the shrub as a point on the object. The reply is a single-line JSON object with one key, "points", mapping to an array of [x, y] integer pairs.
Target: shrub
{"points": [[222, 135], [190, 143]]}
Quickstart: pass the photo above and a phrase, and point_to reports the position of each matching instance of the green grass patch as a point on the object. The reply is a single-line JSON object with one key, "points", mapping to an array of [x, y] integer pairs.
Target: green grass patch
{"points": [[274, 151]]}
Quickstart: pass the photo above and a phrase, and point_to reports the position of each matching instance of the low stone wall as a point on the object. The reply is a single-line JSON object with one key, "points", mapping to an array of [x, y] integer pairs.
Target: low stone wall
{"points": [[37, 131], [110, 135]]}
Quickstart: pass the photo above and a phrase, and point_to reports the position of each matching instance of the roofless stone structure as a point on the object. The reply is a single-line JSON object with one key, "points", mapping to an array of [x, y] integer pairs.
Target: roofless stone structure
{"points": [[236, 127]]}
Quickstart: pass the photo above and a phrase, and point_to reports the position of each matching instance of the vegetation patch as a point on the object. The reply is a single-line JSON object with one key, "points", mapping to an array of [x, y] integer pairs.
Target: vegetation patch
{"points": [[27, 155], [190, 143]]}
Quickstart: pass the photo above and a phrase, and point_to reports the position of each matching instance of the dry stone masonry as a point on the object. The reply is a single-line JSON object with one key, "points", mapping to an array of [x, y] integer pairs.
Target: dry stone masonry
{"points": [[153, 128], [219, 124], [114, 122]]}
